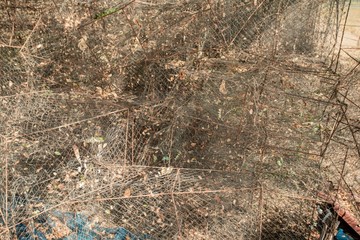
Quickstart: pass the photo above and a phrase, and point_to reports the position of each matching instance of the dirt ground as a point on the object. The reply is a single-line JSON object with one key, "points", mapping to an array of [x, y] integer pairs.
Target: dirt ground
{"points": [[351, 42], [354, 19]]}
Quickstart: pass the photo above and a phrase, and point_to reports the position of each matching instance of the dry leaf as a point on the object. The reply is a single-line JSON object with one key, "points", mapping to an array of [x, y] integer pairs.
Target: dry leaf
{"points": [[166, 171], [222, 87], [99, 91], [61, 186], [218, 199], [77, 153], [67, 178], [127, 192], [82, 43]]}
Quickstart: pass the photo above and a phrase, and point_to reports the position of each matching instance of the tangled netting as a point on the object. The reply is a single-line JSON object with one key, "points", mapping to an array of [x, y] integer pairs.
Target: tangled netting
{"points": [[169, 119]]}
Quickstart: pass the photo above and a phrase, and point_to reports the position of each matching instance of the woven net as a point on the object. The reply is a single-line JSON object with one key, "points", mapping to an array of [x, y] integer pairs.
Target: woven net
{"points": [[173, 119]]}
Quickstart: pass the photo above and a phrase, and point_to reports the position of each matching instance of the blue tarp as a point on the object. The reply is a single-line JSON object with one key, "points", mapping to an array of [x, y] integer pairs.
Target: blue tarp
{"points": [[80, 227], [341, 235]]}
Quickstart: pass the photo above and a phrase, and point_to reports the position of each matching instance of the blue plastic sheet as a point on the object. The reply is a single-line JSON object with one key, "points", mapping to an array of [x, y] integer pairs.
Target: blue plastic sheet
{"points": [[341, 235], [79, 226]]}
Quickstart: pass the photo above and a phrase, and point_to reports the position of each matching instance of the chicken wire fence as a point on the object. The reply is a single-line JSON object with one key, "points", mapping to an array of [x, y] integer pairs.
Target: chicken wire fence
{"points": [[166, 119]]}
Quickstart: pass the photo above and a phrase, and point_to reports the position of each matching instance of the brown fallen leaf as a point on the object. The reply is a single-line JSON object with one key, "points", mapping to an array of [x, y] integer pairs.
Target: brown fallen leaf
{"points": [[77, 153], [82, 44], [222, 87], [127, 192]]}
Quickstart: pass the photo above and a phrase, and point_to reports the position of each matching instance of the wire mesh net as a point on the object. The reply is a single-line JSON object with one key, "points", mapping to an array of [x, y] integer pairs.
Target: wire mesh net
{"points": [[175, 119]]}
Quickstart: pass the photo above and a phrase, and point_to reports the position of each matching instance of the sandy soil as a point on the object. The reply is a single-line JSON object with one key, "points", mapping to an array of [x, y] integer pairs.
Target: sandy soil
{"points": [[351, 42]]}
